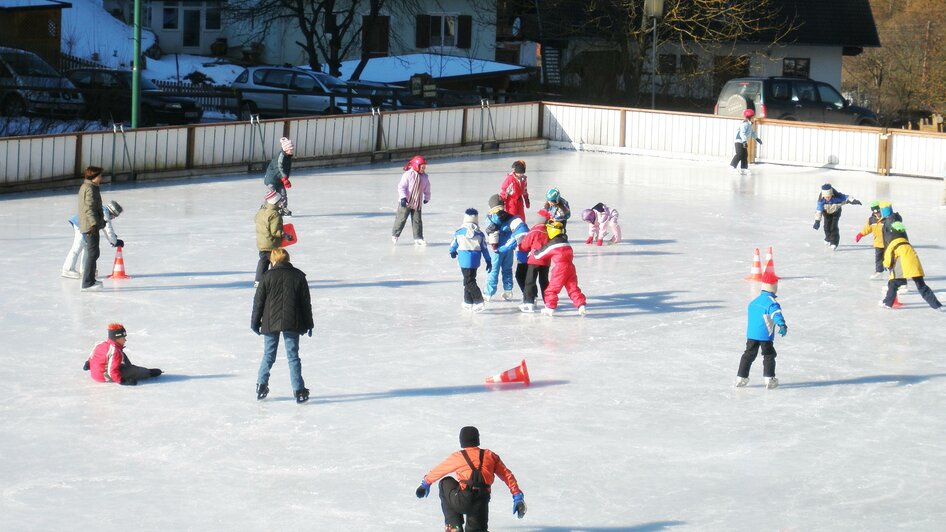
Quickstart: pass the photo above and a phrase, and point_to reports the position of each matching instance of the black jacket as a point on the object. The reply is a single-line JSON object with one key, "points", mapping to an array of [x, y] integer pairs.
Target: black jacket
{"points": [[282, 301]]}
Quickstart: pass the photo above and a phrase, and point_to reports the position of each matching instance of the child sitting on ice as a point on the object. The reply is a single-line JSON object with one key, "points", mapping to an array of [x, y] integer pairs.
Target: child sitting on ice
{"points": [[602, 219], [469, 244], [108, 362]]}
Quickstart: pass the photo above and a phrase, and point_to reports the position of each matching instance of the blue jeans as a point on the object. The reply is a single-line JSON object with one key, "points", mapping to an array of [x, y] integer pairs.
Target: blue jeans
{"points": [[270, 344], [502, 262]]}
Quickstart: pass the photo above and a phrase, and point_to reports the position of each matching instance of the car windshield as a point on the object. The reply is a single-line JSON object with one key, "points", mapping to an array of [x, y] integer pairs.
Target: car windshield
{"points": [[29, 65], [334, 84], [146, 84]]}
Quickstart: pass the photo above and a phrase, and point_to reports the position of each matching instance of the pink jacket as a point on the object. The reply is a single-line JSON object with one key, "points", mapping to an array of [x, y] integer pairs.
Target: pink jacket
{"points": [[104, 361], [415, 188]]}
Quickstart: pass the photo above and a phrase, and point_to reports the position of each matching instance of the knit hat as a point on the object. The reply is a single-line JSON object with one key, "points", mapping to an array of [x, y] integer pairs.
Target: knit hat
{"points": [[286, 145], [469, 437], [116, 331], [827, 190], [875, 205], [769, 281], [471, 216], [519, 167], [273, 197], [898, 227]]}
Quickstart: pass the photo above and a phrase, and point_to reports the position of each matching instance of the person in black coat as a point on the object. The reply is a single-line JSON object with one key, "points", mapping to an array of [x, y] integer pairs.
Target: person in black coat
{"points": [[282, 305]]}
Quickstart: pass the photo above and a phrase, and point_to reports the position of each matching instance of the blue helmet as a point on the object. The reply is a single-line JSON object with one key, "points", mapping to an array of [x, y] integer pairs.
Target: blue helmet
{"points": [[552, 194]]}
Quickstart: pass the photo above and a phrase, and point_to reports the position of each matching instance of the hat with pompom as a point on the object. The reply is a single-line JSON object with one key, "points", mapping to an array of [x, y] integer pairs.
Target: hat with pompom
{"points": [[273, 197], [471, 216]]}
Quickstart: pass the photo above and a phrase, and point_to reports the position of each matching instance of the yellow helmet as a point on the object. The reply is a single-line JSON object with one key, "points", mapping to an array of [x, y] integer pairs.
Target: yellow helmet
{"points": [[554, 229]]}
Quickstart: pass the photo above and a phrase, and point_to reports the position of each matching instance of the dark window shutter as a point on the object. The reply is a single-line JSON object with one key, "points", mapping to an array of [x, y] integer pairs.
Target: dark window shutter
{"points": [[422, 35], [375, 35], [464, 31]]}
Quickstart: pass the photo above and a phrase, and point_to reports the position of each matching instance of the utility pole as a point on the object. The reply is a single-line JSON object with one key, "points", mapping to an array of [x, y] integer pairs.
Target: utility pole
{"points": [[136, 69]]}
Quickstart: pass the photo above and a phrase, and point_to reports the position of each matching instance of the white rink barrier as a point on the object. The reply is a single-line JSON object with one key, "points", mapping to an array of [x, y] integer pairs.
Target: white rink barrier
{"points": [[178, 150]]}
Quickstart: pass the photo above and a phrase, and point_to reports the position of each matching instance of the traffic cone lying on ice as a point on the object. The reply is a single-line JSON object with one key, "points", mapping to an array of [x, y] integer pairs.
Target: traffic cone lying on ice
{"points": [[755, 274], [519, 373], [118, 270]]}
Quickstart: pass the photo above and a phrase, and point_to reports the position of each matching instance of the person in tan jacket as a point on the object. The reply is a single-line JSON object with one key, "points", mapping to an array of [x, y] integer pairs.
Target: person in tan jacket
{"points": [[903, 262], [91, 220], [269, 233], [469, 493]]}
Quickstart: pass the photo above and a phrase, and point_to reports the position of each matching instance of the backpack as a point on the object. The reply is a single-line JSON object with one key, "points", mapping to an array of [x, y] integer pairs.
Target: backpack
{"points": [[476, 483]]}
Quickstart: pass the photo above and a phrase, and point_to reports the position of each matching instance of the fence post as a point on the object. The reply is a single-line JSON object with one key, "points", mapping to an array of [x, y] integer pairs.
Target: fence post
{"points": [[622, 135], [189, 157], [540, 123], [463, 137], [77, 167], [884, 148]]}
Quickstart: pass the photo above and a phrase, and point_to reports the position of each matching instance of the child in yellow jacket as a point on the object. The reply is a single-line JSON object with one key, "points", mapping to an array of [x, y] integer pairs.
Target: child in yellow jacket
{"points": [[903, 262], [875, 227]]}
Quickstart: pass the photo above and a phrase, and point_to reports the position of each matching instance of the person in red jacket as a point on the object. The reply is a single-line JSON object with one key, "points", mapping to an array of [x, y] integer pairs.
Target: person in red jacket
{"points": [[514, 191], [537, 269], [469, 493], [561, 269], [109, 363]]}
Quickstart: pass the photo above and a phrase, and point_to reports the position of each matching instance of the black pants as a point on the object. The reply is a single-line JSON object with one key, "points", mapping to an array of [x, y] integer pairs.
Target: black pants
{"points": [[748, 357], [471, 291], [130, 371], [879, 260], [521, 270], [455, 502], [91, 256], [921, 287], [741, 157], [534, 273], [830, 224], [262, 265]]}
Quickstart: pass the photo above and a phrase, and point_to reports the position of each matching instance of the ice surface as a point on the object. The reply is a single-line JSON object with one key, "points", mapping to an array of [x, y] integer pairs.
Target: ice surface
{"points": [[631, 423]]}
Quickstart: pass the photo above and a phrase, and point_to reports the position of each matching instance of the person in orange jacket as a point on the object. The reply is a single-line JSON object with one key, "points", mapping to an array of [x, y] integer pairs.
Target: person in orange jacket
{"points": [[469, 493]]}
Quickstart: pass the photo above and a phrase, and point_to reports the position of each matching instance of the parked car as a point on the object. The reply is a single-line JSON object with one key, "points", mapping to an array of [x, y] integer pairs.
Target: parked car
{"points": [[28, 85], [107, 96], [800, 99], [265, 90]]}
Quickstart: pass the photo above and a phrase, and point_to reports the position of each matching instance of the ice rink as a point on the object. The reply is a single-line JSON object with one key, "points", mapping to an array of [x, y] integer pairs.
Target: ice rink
{"points": [[631, 422]]}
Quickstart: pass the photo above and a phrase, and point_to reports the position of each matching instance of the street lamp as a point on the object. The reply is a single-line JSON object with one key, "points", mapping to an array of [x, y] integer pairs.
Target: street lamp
{"points": [[655, 10]]}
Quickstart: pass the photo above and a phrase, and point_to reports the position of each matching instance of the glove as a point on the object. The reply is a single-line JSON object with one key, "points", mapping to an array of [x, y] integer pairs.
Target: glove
{"points": [[85, 367], [288, 237], [423, 490], [518, 505], [489, 267], [491, 228], [527, 202], [119, 243], [590, 240], [856, 202], [858, 237], [817, 225], [256, 329], [310, 333], [403, 202], [759, 141], [129, 382], [285, 182], [425, 201], [453, 254], [782, 330]]}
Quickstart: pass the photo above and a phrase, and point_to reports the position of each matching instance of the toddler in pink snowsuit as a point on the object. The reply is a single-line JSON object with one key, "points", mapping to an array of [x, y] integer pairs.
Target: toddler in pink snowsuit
{"points": [[602, 219]]}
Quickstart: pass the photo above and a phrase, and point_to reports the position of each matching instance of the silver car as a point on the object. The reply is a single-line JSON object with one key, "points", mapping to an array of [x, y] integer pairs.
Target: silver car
{"points": [[288, 91], [28, 85]]}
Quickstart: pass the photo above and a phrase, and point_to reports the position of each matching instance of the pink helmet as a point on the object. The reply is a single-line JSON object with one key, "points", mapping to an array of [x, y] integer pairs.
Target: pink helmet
{"points": [[415, 163], [748, 113]]}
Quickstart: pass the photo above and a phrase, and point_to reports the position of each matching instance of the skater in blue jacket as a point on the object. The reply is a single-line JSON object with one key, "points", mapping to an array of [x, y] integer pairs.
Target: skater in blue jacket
{"points": [[469, 245], [765, 315], [503, 235], [828, 207]]}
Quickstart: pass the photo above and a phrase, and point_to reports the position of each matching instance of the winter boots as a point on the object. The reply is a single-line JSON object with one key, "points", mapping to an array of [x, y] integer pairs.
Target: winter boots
{"points": [[582, 310], [527, 307], [507, 296], [771, 383], [741, 381], [262, 390], [71, 274], [302, 395]]}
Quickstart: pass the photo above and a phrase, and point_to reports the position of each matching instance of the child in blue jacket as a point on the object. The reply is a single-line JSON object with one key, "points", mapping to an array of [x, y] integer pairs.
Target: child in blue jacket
{"points": [[503, 235], [828, 207], [469, 245], [765, 315]]}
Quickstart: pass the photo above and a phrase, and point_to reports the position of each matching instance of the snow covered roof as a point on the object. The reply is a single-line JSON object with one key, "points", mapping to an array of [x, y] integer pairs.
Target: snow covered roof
{"points": [[13, 4], [400, 68]]}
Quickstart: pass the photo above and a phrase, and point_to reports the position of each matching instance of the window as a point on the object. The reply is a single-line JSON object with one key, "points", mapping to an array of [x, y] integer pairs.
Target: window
{"points": [[831, 96], [781, 90], [258, 76], [170, 20], [795, 67], [278, 78], [303, 83], [212, 17], [690, 63], [243, 77], [667, 64], [443, 31], [804, 92]]}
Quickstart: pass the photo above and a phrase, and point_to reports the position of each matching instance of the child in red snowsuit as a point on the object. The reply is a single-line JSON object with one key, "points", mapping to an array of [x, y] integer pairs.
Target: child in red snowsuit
{"points": [[514, 191], [108, 362], [562, 272]]}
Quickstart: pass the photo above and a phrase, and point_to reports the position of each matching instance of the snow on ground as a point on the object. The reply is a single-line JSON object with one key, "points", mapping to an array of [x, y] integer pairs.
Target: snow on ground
{"points": [[631, 423], [399, 69], [175, 67], [87, 29]]}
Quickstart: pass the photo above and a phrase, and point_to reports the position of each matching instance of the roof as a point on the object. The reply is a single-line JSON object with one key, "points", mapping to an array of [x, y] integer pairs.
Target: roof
{"points": [[400, 68], [17, 5]]}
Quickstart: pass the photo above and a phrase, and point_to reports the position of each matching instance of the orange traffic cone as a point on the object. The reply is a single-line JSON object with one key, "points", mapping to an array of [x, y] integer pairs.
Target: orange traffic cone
{"points": [[768, 259], [755, 274], [519, 373], [118, 270]]}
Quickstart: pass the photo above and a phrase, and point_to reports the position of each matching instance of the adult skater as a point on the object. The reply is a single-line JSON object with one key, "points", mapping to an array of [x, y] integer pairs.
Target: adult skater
{"points": [[76, 254], [602, 219], [109, 363], [903, 262], [828, 207], [765, 315], [414, 193], [469, 494], [505, 231], [744, 134], [515, 192], [282, 305], [269, 233], [277, 174], [91, 221], [469, 244], [562, 273]]}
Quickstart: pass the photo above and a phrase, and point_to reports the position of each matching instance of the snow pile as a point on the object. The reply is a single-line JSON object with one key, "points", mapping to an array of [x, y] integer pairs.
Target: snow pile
{"points": [[399, 68], [90, 32], [175, 67]]}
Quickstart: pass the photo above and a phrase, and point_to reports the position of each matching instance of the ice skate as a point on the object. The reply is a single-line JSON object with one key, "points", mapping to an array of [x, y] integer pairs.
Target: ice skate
{"points": [[96, 286], [582, 310], [548, 311], [479, 307], [393, 239], [884, 305], [827, 243], [771, 383], [745, 171], [71, 274], [155, 372], [527, 307], [734, 170], [507, 296], [262, 391], [285, 212], [487, 297], [741, 381], [419, 242], [834, 247], [467, 306], [302, 395], [877, 275]]}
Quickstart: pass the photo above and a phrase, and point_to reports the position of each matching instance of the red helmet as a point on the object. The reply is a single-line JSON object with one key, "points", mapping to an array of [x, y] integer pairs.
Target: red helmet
{"points": [[415, 163], [748, 113]]}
